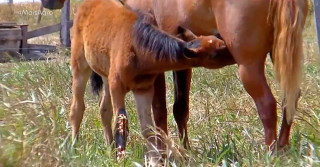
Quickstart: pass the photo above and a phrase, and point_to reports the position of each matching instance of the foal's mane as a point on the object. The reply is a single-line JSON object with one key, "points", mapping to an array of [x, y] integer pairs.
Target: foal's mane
{"points": [[148, 39]]}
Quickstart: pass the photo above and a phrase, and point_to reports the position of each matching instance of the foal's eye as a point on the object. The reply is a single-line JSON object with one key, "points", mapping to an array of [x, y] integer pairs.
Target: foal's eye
{"points": [[193, 44]]}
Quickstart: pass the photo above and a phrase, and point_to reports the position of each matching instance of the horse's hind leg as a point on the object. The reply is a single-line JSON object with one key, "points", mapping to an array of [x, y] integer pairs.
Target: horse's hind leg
{"points": [[253, 78], [182, 81], [285, 127], [106, 113], [81, 72]]}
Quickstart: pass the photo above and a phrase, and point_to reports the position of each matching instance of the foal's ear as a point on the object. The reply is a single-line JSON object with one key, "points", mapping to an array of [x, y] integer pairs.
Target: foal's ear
{"points": [[185, 34], [192, 48], [189, 53]]}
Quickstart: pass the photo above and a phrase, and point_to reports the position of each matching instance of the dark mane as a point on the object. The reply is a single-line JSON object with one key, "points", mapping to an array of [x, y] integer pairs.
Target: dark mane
{"points": [[122, 2], [148, 39]]}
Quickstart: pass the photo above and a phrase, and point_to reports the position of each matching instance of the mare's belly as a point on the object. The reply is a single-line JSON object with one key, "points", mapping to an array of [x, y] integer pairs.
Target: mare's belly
{"points": [[201, 26], [199, 17]]}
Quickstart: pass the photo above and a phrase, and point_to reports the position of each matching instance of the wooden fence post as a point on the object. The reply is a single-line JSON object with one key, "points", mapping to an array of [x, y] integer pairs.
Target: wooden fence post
{"points": [[65, 30], [24, 43], [316, 4], [40, 15]]}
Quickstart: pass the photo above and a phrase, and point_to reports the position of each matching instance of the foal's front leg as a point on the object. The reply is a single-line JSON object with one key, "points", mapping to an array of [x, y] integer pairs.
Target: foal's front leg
{"points": [[121, 130], [81, 73], [144, 100]]}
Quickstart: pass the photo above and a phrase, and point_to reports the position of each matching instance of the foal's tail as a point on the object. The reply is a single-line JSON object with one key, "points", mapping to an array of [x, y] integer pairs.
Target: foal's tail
{"points": [[96, 82], [288, 17]]}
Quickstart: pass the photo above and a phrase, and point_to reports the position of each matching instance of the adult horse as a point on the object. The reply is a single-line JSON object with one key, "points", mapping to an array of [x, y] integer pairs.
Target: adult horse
{"points": [[52, 4], [251, 29]]}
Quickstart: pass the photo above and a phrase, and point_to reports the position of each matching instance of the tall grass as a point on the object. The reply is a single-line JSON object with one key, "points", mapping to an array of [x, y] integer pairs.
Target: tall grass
{"points": [[224, 126]]}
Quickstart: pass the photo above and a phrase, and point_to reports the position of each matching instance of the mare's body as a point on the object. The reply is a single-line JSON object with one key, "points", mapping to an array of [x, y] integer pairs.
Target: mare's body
{"points": [[251, 29]]}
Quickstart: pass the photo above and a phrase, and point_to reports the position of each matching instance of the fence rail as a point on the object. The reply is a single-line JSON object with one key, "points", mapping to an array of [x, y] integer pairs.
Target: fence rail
{"points": [[46, 30]]}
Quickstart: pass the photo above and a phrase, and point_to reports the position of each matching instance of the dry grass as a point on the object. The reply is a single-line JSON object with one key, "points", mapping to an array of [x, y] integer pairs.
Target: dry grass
{"points": [[224, 126], [26, 13]]}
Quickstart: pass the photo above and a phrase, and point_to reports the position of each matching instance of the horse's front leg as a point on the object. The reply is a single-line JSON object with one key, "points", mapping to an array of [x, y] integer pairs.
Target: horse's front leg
{"points": [[143, 101], [159, 106], [182, 80], [160, 112], [254, 81]]}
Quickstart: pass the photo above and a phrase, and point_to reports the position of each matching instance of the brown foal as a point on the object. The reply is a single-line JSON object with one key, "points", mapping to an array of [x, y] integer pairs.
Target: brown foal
{"points": [[124, 51]]}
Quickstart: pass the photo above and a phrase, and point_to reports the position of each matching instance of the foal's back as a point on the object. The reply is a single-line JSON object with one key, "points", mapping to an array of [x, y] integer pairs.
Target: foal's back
{"points": [[100, 27]]}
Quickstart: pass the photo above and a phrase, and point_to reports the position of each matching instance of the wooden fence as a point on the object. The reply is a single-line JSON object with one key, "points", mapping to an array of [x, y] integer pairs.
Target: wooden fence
{"points": [[63, 27]]}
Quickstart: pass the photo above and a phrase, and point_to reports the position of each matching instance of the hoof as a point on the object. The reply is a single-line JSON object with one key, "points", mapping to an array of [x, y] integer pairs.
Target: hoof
{"points": [[155, 162], [275, 149], [121, 134], [273, 146]]}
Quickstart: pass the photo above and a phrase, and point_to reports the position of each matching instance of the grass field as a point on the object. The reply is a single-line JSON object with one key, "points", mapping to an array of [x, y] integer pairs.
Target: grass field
{"points": [[224, 126]]}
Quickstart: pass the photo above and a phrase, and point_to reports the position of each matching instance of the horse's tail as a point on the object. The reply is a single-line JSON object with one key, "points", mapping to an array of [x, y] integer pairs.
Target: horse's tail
{"points": [[288, 17], [96, 82]]}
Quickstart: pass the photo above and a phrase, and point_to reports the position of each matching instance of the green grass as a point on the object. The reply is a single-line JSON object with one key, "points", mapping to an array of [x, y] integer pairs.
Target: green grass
{"points": [[224, 126]]}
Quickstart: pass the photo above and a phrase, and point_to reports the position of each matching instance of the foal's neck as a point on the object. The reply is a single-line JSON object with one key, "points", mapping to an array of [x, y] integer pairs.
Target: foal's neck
{"points": [[148, 64]]}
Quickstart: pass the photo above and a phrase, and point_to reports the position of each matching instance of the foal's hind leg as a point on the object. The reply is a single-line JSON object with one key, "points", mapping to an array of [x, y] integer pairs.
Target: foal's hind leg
{"points": [[182, 80], [106, 113], [144, 100], [253, 78], [81, 73]]}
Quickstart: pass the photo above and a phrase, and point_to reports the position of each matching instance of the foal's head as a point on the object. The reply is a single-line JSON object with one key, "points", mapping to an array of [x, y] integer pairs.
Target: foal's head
{"points": [[202, 46]]}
